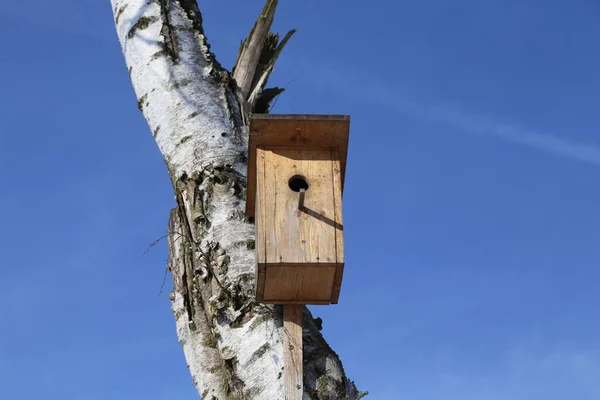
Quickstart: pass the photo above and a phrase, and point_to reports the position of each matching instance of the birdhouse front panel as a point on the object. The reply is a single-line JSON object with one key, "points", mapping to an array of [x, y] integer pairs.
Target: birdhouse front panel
{"points": [[299, 225]]}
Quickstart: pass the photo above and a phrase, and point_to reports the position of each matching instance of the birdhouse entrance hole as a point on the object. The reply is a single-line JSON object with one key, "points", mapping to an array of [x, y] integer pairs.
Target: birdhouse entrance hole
{"points": [[297, 183]]}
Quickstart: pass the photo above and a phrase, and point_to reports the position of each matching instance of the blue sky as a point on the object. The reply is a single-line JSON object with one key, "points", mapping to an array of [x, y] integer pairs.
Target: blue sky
{"points": [[471, 206]]}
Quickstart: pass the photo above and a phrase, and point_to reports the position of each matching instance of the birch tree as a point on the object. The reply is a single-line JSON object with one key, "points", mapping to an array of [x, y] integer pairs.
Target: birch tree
{"points": [[197, 112]]}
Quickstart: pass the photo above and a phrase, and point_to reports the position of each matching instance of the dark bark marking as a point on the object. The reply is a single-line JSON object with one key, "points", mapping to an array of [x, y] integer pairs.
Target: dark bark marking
{"points": [[119, 12], [180, 277], [185, 139], [141, 101], [159, 53], [141, 24], [182, 83], [259, 352], [171, 44]]}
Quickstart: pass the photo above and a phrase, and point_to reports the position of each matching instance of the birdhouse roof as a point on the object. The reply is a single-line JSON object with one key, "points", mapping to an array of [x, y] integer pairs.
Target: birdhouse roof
{"points": [[295, 131]]}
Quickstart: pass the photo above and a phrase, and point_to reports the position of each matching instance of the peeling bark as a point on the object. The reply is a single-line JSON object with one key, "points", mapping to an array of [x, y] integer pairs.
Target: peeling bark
{"points": [[196, 114]]}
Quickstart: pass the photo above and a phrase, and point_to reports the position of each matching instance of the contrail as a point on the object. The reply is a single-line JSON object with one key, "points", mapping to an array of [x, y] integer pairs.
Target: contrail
{"points": [[385, 95], [584, 152]]}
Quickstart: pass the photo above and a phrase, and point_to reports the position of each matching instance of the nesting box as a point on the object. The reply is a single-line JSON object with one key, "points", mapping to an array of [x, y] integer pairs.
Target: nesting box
{"points": [[296, 172]]}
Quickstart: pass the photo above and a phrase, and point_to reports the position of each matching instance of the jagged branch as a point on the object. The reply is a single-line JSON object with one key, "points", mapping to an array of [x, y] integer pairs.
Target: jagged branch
{"points": [[257, 56], [269, 56], [270, 53], [245, 66]]}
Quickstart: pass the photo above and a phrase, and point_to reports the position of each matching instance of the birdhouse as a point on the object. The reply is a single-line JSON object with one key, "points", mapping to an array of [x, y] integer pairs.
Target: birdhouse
{"points": [[296, 172]]}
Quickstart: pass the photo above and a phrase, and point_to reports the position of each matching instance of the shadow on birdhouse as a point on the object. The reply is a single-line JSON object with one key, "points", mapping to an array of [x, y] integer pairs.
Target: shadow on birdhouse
{"points": [[295, 182]]}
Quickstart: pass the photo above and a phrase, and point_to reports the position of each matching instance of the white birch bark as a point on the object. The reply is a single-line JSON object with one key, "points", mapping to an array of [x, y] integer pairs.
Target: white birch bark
{"points": [[232, 345]]}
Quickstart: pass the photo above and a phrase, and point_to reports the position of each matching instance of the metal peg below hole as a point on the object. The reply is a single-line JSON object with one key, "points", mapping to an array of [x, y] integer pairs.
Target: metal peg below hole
{"points": [[301, 200]]}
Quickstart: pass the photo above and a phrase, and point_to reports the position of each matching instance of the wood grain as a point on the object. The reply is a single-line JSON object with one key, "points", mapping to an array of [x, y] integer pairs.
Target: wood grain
{"points": [[261, 229], [302, 237], [293, 240], [292, 348], [283, 284], [299, 131], [339, 233]]}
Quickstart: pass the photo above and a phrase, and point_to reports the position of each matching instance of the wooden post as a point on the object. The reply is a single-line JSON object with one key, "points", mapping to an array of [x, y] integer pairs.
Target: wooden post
{"points": [[292, 351]]}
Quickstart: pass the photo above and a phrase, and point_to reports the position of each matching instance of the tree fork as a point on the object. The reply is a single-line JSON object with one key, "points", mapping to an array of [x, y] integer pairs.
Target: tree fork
{"points": [[196, 112]]}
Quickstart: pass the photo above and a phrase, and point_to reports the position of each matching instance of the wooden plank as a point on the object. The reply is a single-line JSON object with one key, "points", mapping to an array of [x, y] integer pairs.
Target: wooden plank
{"points": [[305, 283], [337, 206], [337, 284], [301, 281], [292, 245], [307, 235], [318, 283], [319, 211], [307, 266], [259, 219], [310, 302], [261, 228], [277, 281], [300, 131], [260, 282], [292, 352], [269, 199], [339, 232], [307, 117]]}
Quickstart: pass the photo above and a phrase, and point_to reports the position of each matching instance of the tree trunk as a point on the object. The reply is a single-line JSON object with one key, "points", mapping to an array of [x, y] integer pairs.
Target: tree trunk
{"points": [[197, 111]]}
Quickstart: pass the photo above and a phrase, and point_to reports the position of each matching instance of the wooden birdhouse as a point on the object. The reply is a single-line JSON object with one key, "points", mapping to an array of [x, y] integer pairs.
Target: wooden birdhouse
{"points": [[295, 181]]}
